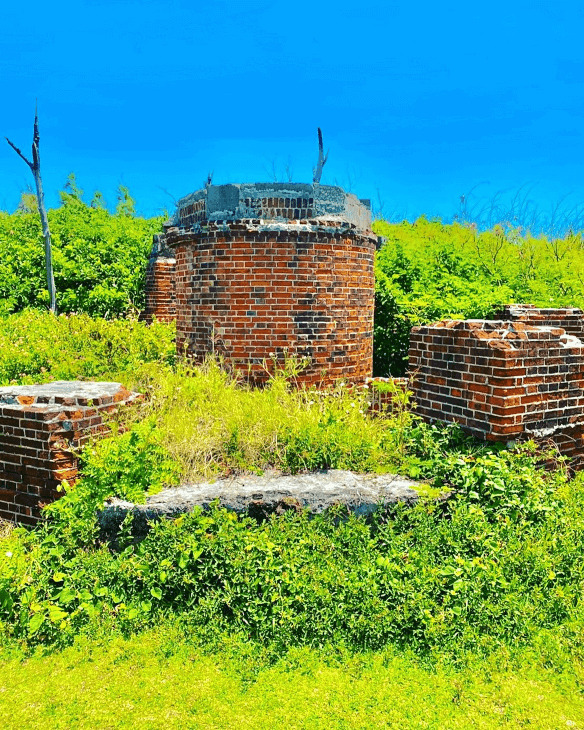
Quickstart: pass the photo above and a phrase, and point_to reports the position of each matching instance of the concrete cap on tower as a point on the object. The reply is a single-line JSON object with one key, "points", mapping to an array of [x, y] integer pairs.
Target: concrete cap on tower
{"points": [[282, 202]]}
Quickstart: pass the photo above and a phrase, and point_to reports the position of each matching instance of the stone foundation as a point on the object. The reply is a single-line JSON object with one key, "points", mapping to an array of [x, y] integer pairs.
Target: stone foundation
{"points": [[41, 427]]}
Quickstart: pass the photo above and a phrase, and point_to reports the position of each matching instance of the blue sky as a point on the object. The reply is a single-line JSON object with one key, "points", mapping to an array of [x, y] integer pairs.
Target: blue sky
{"points": [[418, 102]]}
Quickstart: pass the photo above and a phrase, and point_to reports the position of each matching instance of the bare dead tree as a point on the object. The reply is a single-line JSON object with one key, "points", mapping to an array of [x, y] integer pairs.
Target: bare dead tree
{"points": [[35, 168], [317, 171], [209, 179]]}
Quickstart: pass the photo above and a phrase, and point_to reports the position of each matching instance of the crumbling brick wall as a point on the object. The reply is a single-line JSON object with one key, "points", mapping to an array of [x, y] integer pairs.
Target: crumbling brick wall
{"points": [[160, 284], [250, 292], [41, 427], [570, 319], [501, 380]]}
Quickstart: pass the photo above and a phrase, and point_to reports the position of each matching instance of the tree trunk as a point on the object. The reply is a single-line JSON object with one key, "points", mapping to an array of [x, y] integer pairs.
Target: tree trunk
{"points": [[47, 237]]}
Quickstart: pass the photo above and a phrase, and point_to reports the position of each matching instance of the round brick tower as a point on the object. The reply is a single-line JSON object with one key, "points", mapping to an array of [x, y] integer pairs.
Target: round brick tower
{"points": [[269, 270]]}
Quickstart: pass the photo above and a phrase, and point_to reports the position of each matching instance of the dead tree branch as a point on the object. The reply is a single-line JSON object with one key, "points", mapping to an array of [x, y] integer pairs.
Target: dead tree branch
{"points": [[317, 171], [35, 168]]}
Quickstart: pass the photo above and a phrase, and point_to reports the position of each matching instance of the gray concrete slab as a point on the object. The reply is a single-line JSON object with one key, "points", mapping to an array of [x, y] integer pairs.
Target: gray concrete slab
{"points": [[271, 493]]}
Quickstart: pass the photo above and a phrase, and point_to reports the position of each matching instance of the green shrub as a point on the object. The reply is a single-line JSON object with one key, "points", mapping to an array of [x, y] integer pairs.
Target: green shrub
{"points": [[99, 259], [36, 346]]}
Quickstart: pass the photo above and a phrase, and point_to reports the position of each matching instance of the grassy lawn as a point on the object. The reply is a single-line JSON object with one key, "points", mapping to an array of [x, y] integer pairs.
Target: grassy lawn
{"points": [[140, 683]]}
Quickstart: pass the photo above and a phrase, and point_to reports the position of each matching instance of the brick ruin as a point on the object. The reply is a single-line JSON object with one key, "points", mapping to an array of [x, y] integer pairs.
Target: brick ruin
{"points": [[254, 271], [41, 429], [159, 287], [268, 269], [520, 376]]}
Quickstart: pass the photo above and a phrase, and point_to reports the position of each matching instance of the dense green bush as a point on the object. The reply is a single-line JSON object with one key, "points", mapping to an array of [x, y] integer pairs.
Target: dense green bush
{"points": [[440, 578], [99, 258], [428, 271], [36, 346]]}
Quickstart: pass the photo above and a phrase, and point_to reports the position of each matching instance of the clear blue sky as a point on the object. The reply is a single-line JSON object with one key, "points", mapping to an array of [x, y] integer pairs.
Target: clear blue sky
{"points": [[418, 101]]}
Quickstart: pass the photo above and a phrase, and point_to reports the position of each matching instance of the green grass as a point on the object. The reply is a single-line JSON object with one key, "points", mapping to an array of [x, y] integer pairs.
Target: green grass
{"points": [[211, 422], [149, 683]]}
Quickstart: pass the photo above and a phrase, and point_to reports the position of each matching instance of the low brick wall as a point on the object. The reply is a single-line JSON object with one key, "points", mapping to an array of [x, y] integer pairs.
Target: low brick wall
{"points": [[570, 319], [501, 380], [41, 426]]}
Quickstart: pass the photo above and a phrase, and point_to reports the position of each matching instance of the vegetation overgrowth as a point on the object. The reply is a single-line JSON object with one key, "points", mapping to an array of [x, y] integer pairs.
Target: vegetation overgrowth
{"points": [[485, 568], [495, 566]]}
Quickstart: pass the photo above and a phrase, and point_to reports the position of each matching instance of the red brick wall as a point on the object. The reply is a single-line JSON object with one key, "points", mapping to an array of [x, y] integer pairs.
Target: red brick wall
{"points": [[501, 380], [248, 291], [569, 318], [37, 443], [160, 291], [160, 284]]}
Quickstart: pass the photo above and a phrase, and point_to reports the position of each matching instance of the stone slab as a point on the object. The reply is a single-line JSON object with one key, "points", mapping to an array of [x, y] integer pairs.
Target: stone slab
{"points": [[69, 392], [260, 496]]}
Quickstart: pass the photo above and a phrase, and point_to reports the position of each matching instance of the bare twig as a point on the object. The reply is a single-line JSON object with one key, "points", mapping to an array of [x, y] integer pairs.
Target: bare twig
{"points": [[18, 152], [170, 195]]}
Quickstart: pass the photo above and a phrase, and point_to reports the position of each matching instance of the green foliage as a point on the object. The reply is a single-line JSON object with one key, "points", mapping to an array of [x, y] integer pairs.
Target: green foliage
{"points": [[36, 346], [213, 423], [496, 565], [428, 271], [129, 465], [99, 259], [504, 484]]}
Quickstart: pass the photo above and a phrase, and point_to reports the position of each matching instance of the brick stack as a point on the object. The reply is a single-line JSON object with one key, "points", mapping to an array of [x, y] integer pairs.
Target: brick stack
{"points": [[570, 319], [253, 291], [160, 284], [41, 426], [294, 208], [501, 380]]}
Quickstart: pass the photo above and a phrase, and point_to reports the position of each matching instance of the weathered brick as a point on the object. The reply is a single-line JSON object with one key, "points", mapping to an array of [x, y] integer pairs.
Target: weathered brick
{"points": [[32, 466], [518, 380]]}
